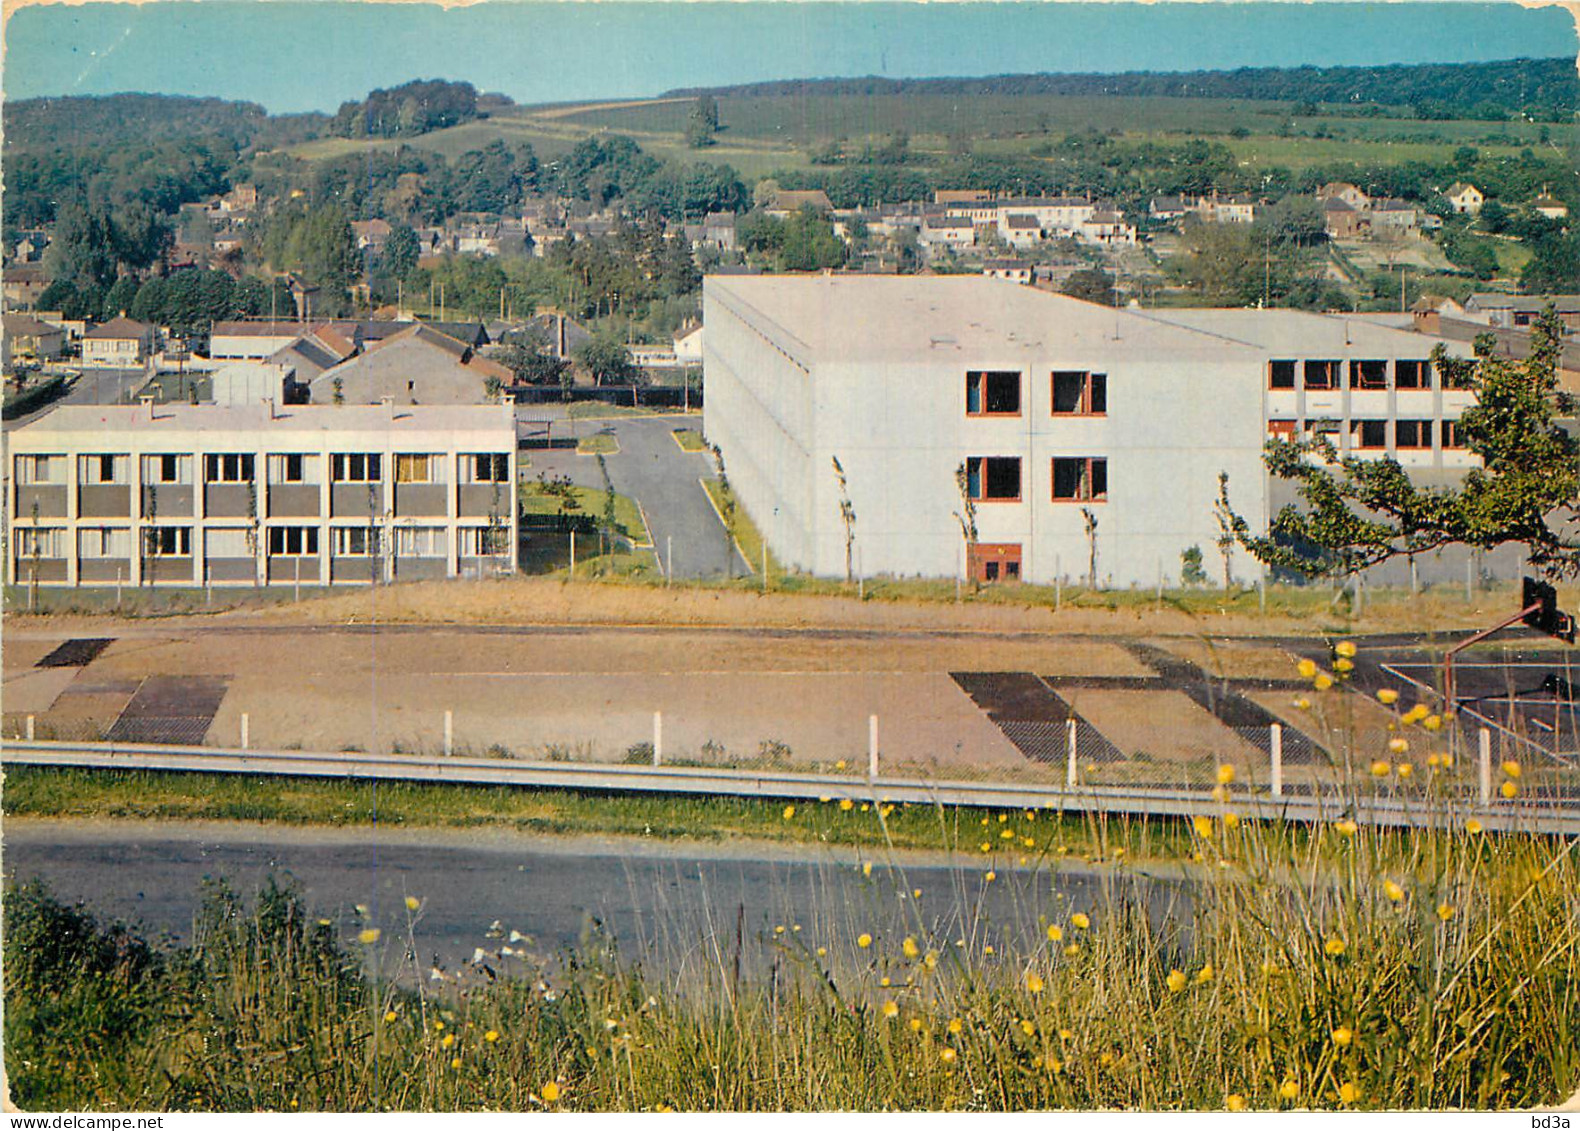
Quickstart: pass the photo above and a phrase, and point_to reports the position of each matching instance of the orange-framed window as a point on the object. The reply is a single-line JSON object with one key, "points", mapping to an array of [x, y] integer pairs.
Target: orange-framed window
{"points": [[1080, 479], [993, 392], [1079, 393], [993, 479]]}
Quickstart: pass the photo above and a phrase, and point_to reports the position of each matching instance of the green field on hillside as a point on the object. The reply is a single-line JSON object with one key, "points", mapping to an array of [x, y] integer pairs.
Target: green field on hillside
{"points": [[763, 134]]}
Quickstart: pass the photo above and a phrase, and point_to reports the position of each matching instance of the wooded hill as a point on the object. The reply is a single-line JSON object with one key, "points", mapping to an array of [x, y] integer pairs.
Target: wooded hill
{"points": [[1549, 87]]}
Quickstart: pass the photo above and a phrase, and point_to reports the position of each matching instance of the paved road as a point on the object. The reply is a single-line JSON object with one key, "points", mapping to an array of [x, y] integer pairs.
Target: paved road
{"points": [[651, 468], [95, 386], [662, 899]]}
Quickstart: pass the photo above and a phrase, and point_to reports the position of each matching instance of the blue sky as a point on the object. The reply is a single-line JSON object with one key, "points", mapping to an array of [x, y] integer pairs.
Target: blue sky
{"points": [[293, 56]]}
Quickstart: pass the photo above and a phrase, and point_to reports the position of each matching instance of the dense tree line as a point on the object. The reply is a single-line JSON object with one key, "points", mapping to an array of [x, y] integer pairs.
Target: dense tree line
{"points": [[188, 301], [1548, 86], [407, 110]]}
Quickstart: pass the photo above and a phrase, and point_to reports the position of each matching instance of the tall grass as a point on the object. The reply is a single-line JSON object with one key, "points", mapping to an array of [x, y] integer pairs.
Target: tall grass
{"points": [[1327, 967]]}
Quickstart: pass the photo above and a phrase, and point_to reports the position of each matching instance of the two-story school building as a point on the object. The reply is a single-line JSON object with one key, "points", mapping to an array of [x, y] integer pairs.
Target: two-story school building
{"points": [[190, 495], [1064, 429]]}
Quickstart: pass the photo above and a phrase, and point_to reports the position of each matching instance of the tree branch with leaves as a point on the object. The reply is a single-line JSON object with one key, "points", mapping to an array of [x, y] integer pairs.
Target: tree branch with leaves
{"points": [[1356, 513]]}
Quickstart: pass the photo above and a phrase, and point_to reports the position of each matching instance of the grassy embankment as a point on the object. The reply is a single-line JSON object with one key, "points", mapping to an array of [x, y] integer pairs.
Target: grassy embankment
{"points": [[1342, 970]]}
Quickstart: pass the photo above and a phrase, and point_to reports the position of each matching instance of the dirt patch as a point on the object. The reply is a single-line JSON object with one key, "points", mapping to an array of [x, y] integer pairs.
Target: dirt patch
{"points": [[1231, 659]]}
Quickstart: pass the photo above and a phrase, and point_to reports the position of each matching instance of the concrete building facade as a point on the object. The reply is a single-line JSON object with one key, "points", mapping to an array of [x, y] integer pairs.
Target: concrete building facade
{"points": [[189, 495], [1047, 412]]}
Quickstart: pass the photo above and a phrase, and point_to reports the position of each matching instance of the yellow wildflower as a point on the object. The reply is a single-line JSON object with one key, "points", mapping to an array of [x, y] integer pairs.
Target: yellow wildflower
{"points": [[491, 1036], [1349, 1092], [1225, 774], [1512, 768], [1203, 826], [916, 1024], [1346, 828], [890, 1009], [948, 1055], [1342, 1037], [449, 1040], [1387, 697], [1397, 746], [990, 875], [390, 1016], [1473, 826], [1343, 665], [1322, 682], [846, 805], [369, 936], [1034, 983], [1334, 947], [1393, 891], [412, 903], [1306, 668], [1231, 820], [789, 812], [1028, 1028], [1176, 981], [1345, 648], [1204, 975], [1404, 769], [864, 941], [1234, 1101], [550, 1092], [455, 1063], [1072, 950], [1433, 722], [1055, 934], [1289, 1090], [1380, 769], [1509, 789], [909, 947], [1445, 911], [1079, 921]]}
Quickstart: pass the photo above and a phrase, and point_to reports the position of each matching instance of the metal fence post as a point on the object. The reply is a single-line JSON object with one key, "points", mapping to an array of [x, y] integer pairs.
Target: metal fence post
{"points": [[1275, 746], [872, 747], [573, 554], [244, 735], [1486, 766], [1069, 770], [449, 733], [30, 728], [658, 738]]}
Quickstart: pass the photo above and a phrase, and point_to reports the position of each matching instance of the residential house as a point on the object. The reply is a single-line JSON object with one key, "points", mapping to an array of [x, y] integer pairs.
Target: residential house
{"points": [[22, 284], [941, 232], [1106, 226], [1015, 270], [1167, 209], [1342, 221], [120, 343], [1019, 229], [251, 495], [1389, 214], [1464, 198], [371, 235], [1350, 194], [416, 365], [252, 340], [1516, 312], [31, 338], [1550, 206], [787, 202], [688, 345]]}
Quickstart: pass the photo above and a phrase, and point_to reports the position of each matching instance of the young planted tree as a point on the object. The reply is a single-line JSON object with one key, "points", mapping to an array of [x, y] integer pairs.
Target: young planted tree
{"points": [[1224, 513], [967, 514], [1089, 521], [847, 515], [1357, 513]]}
